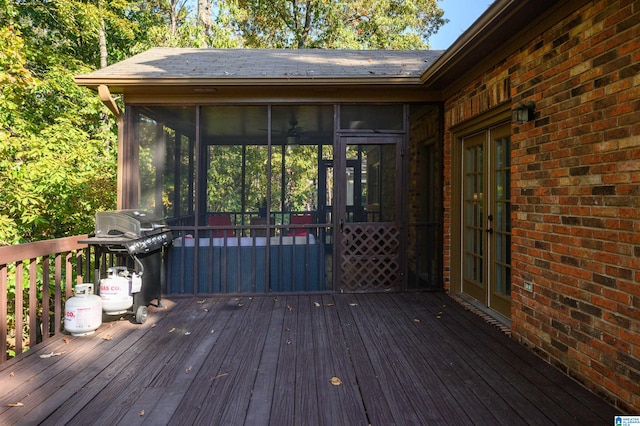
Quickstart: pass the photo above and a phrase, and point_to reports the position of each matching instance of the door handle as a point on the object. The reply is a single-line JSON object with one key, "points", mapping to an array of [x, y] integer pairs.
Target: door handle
{"points": [[341, 225], [490, 231]]}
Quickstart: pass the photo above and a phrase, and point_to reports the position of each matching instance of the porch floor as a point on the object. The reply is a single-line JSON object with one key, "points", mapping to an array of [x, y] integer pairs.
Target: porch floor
{"points": [[412, 358]]}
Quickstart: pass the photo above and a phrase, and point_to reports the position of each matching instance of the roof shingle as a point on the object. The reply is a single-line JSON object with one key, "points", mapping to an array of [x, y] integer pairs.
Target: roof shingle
{"points": [[270, 64]]}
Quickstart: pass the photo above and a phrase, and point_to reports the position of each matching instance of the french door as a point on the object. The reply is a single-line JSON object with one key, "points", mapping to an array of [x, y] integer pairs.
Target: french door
{"points": [[368, 240], [486, 218]]}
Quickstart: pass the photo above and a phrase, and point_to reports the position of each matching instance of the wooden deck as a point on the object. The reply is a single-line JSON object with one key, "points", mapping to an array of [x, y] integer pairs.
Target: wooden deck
{"points": [[406, 359]]}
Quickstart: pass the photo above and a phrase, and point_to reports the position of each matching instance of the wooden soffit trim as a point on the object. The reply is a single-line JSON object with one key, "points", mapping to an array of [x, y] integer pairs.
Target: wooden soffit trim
{"points": [[191, 95]]}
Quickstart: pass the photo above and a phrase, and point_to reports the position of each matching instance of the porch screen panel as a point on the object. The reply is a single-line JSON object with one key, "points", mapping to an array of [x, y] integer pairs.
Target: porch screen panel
{"points": [[164, 161], [301, 141], [234, 140], [255, 180], [185, 177], [301, 136], [294, 181], [425, 198], [379, 117]]}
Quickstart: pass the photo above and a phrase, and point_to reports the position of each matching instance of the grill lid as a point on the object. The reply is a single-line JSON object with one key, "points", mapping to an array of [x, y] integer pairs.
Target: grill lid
{"points": [[127, 223]]}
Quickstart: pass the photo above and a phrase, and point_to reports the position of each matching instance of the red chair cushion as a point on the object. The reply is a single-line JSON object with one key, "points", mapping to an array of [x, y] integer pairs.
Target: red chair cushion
{"points": [[220, 220], [300, 219]]}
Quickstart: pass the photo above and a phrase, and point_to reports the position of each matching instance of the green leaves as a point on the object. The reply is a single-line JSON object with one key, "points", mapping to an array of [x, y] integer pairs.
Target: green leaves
{"points": [[353, 24], [57, 161]]}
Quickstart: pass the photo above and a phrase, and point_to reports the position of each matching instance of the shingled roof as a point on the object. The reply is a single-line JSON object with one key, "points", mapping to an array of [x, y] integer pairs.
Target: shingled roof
{"points": [[234, 65]]}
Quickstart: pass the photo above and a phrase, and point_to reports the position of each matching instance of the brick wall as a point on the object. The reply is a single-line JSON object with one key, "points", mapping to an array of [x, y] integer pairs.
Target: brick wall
{"points": [[575, 193]]}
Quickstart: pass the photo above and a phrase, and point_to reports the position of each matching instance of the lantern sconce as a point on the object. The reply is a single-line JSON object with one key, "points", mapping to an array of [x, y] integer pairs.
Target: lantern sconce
{"points": [[523, 113]]}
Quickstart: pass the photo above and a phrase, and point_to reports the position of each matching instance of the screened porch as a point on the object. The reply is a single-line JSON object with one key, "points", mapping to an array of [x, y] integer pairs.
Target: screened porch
{"points": [[290, 198]]}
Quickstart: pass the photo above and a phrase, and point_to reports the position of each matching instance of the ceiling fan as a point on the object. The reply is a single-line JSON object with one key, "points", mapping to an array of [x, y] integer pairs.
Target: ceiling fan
{"points": [[293, 134]]}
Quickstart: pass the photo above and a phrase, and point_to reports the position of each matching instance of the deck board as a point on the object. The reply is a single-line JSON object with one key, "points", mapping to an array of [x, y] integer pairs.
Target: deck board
{"points": [[345, 395], [412, 358], [471, 363], [368, 386], [540, 384], [440, 372], [259, 410], [282, 409], [306, 406], [401, 383], [464, 382]]}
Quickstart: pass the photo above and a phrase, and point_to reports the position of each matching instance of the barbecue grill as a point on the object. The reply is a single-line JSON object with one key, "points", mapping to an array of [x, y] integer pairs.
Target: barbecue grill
{"points": [[137, 239]]}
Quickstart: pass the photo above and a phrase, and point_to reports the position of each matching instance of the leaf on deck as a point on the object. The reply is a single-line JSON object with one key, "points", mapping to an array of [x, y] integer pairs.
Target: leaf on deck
{"points": [[49, 355], [218, 376]]}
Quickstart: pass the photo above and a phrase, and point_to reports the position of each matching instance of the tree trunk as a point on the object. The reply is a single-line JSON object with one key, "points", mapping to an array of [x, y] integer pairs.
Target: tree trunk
{"points": [[173, 12], [103, 44], [204, 17], [104, 115]]}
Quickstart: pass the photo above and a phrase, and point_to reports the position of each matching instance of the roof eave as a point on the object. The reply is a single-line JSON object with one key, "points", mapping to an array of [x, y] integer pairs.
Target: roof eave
{"points": [[487, 36]]}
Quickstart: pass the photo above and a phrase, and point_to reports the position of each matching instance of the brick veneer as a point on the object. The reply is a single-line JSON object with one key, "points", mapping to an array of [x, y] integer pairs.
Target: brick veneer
{"points": [[575, 193]]}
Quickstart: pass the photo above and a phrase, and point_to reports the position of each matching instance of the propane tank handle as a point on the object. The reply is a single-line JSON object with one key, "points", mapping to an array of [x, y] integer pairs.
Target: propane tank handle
{"points": [[83, 289], [114, 269]]}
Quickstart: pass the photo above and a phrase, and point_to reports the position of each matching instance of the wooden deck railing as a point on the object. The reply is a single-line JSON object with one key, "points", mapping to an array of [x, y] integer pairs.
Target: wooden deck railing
{"points": [[35, 280]]}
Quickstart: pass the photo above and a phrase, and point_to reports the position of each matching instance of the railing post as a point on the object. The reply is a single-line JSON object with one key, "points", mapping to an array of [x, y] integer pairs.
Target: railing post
{"points": [[3, 311], [33, 302], [18, 307], [45, 297], [57, 307]]}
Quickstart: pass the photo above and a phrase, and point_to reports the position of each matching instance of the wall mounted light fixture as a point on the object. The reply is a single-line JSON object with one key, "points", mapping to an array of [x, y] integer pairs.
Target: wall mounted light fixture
{"points": [[523, 113]]}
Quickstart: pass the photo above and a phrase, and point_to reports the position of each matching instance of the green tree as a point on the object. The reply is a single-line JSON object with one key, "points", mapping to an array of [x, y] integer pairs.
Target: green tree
{"points": [[57, 159], [15, 80], [354, 24]]}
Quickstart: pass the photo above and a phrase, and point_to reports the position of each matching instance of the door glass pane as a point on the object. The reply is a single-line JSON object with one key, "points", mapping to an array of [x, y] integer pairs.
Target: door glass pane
{"points": [[473, 214], [371, 183], [502, 221]]}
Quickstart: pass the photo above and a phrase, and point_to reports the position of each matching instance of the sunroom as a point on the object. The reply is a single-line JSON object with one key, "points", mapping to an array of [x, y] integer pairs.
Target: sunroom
{"points": [[283, 171]]}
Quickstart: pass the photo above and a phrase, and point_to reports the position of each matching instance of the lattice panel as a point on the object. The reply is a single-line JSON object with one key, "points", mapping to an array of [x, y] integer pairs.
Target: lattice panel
{"points": [[370, 259]]}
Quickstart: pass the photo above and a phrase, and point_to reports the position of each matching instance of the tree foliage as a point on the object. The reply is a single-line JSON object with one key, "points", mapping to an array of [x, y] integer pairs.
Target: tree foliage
{"points": [[56, 157], [352, 24]]}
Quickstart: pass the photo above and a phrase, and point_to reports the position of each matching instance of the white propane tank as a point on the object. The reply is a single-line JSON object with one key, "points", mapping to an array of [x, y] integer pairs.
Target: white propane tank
{"points": [[83, 312], [116, 292]]}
